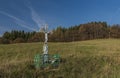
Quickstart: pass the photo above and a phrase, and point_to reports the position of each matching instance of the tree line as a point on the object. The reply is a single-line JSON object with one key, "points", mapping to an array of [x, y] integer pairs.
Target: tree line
{"points": [[88, 31]]}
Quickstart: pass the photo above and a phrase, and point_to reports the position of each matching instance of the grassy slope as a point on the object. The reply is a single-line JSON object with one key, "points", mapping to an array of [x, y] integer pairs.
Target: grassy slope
{"points": [[84, 59]]}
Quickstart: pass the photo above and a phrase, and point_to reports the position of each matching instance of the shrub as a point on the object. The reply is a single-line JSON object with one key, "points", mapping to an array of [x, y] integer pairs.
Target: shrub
{"points": [[19, 40], [0, 40], [4, 41]]}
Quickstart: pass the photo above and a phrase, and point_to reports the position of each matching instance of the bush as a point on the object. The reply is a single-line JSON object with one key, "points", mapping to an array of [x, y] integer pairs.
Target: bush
{"points": [[33, 39], [19, 40], [4, 41], [0, 40]]}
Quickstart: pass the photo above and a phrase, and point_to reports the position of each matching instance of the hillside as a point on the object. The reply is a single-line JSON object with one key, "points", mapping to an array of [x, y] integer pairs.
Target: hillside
{"points": [[85, 59], [87, 31]]}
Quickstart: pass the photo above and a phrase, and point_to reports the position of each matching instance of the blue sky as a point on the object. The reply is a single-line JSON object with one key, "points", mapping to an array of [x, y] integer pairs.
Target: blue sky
{"points": [[30, 15]]}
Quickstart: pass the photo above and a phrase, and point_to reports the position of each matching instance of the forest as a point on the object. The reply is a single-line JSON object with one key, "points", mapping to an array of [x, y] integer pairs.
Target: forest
{"points": [[87, 31]]}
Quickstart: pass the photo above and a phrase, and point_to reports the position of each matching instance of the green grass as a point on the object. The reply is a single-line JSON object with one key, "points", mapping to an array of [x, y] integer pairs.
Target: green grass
{"points": [[83, 59]]}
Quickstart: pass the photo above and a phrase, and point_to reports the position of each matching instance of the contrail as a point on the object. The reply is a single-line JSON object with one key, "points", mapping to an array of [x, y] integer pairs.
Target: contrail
{"points": [[36, 18], [25, 25], [18, 21], [34, 15]]}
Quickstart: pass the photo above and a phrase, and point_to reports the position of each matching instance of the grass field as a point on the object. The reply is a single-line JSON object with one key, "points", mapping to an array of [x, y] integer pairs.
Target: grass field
{"points": [[83, 59]]}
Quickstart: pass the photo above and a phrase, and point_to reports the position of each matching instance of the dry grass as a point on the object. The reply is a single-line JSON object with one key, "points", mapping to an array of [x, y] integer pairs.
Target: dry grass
{"points": [[84, 59]]}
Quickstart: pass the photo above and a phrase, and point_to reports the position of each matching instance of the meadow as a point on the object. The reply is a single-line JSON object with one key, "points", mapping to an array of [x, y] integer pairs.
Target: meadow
{"points": [[82, 59]]}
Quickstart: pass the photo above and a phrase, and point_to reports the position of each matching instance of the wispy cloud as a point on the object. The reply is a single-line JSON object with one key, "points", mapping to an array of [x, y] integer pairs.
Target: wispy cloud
{"points": [[36, 18], [18, 21], [34, 14]]}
